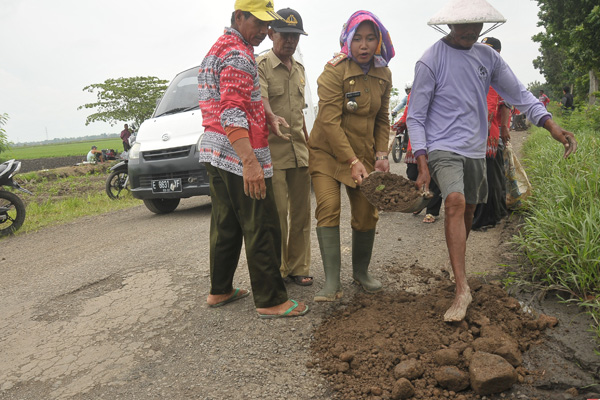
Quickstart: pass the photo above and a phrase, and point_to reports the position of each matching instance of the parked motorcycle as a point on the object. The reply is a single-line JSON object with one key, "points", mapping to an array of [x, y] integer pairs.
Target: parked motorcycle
{"points": [[117, 183], [12, 208]]}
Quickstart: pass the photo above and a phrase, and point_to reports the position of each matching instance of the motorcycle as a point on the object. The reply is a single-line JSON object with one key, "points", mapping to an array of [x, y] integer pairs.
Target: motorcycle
{"points": [[118, 180], [400, 142], [12, 208]]}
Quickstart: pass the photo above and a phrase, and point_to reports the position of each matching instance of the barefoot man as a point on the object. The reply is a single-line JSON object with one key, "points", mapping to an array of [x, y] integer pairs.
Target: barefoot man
{"points": [[447, 120]]}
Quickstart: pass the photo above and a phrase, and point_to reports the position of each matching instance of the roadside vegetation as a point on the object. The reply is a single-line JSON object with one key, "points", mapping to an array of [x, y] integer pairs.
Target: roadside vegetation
{"points": [[59, 150], [65, 194], [561, 233]]}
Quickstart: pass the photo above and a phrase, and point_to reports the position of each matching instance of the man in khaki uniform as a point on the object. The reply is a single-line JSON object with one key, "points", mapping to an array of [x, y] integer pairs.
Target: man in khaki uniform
{"points": [[282, 89]]}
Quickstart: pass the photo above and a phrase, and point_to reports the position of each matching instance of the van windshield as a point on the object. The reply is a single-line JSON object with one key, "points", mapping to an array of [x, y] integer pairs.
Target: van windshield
{"points": [[181, 95]]}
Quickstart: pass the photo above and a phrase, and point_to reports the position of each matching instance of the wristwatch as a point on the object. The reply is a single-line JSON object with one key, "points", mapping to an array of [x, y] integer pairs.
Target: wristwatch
{"points": [[377, 158]]}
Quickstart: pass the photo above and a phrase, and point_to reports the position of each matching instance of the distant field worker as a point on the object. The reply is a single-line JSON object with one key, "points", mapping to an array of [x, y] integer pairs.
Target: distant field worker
{"points": [[282, 83], [348, 141], [95, 155]]}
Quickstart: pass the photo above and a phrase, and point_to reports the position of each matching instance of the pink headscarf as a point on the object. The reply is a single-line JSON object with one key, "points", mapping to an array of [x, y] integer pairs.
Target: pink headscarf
{"points": [[385, 49]]}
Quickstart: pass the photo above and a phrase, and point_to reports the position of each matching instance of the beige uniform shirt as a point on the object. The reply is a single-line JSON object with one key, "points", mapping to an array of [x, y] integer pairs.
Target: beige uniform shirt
{"points": [[339, 134], [285, 91]]}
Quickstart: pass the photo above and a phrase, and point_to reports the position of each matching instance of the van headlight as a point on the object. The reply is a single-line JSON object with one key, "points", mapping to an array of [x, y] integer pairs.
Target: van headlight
{"points": [[134, 152]]}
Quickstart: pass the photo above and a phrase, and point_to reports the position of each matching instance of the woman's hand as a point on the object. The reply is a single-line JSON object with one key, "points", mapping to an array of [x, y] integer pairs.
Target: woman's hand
{"points": [[358, 171], [381, 162]]}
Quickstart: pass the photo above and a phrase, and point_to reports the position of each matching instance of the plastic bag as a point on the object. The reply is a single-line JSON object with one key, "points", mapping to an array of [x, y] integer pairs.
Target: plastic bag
{"points": [[518, 187]]}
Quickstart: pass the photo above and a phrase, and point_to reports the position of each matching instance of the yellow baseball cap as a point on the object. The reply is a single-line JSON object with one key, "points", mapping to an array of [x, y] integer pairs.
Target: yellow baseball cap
{"points": [[261, 9]]}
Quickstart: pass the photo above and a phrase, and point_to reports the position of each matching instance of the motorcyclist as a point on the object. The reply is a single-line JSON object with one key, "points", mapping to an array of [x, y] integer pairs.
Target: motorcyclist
{"points": [[404, 102]]}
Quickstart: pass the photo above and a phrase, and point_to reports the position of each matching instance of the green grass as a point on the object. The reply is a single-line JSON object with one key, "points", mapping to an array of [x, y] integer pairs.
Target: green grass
{"points": [[561, 233], [52, 213], [56, 201], [60, 150]]}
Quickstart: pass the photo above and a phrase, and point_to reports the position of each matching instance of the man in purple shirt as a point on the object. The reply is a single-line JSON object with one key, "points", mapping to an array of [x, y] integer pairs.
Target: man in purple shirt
{"points": [[447, 120]]}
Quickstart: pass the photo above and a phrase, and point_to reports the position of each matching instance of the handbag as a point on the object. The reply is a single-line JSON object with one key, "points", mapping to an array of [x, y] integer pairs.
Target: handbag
{"points": [[518, 187]]}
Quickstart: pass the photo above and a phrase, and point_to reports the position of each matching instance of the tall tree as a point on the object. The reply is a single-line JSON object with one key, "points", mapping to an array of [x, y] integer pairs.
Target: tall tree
{"points": [[4, 143], [125, 99], [572, 34]]}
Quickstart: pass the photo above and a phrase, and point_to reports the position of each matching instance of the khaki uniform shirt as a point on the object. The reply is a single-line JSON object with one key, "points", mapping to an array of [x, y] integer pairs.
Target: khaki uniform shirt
{"points": [[285, 91], [340, 134]]}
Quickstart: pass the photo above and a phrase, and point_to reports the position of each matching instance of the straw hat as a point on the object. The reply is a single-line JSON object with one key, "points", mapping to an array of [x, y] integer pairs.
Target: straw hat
{"points": [[467, 12]]}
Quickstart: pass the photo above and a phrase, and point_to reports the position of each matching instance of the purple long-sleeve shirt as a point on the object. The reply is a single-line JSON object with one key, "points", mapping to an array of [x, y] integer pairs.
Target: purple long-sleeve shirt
{"points": [[448, 108]]}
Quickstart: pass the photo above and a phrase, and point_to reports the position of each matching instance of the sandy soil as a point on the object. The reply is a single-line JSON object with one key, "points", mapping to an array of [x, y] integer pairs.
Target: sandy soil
{"points": [[114, 307]]}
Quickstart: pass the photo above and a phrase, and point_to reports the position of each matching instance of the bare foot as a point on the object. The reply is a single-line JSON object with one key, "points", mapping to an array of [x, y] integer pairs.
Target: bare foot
{"points": [[214, 299], [458, 309], [282, 308]]}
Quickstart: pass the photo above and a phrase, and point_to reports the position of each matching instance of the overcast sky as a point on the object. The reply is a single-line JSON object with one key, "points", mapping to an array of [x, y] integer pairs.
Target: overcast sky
{"points": [[50, 50]]}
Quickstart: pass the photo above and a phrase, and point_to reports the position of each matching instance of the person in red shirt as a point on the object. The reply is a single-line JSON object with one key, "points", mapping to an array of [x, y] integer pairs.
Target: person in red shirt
{"points": [[488, 214], [235, 152], [544, 99], [125, 134]]}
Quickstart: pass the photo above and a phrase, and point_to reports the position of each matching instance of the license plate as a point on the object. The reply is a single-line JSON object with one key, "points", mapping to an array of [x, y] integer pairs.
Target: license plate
{"points": [[166, 185]]}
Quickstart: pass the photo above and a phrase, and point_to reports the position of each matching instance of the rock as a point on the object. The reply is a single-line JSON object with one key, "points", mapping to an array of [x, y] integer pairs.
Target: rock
{"points": [[546, 321], [409, 369], [504, 346], [446, 357], [342, 367], [452, 378], [376, 391], [402, 389], [468, 353], [347, 356], [478, 319], [490, 373], [492, 331], [511, 353], [487, 345], [572, 392]]}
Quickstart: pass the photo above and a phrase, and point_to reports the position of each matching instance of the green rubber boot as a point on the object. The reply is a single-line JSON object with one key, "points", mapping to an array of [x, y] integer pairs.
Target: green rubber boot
{"points": [[362, 248], [329, 243]]}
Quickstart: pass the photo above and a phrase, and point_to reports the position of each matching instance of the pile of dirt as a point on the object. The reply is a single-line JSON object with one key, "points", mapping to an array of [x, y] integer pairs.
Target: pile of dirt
{"points": [[391, 192], [396, 345]]}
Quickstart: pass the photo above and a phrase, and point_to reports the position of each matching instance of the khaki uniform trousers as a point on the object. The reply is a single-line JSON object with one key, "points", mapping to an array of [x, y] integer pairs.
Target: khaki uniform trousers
{"points": [[291, 188], [328, 195], [236, 217]]}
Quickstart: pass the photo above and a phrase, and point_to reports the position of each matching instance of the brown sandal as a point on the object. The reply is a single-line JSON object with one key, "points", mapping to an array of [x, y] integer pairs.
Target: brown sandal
{"points": [[299, 280]]}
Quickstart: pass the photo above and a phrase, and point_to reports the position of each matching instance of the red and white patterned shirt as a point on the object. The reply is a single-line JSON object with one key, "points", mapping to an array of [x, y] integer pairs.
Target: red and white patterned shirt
{"points": [[229, 90]]}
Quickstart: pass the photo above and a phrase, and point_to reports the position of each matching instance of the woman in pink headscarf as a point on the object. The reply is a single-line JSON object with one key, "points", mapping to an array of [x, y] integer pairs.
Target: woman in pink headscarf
{"points": [[348, 141]]}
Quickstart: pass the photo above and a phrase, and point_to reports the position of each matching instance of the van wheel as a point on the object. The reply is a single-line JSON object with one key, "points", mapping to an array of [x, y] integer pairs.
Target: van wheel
{"points": [[161, 206]]}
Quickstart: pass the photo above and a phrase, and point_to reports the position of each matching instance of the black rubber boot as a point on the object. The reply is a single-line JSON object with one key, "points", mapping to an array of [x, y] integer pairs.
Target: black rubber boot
{"points": [[362, 248], [329, 243]]}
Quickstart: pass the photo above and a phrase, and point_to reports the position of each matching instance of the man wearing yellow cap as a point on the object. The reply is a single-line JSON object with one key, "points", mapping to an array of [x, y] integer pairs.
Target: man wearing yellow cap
{"points": [[234, 149]]}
